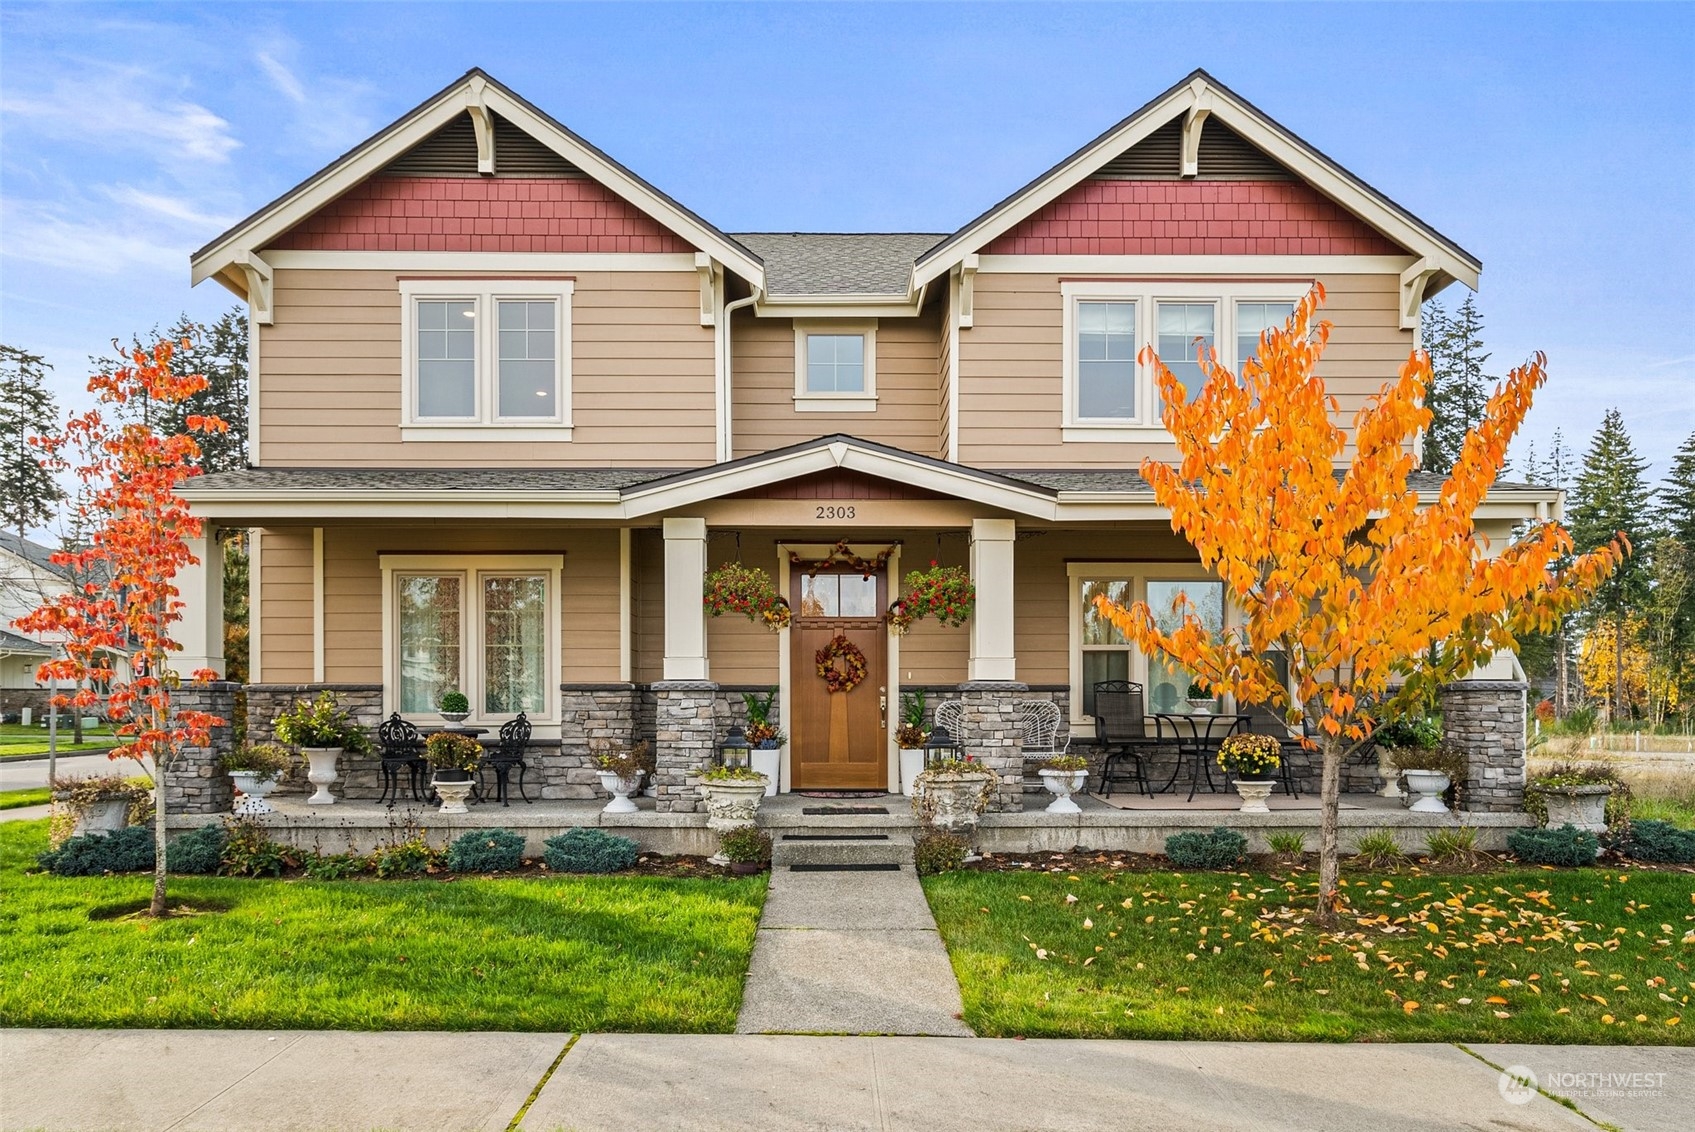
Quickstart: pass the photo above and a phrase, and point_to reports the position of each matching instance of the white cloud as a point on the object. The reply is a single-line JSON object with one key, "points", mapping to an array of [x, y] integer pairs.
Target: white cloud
{"points": [[282, 78], [119, 108], [329, 113], [39, 235], [174, 208]]}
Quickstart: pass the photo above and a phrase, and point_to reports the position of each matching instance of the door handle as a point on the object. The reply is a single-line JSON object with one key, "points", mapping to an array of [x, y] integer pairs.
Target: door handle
{"points": [[882, 707]]}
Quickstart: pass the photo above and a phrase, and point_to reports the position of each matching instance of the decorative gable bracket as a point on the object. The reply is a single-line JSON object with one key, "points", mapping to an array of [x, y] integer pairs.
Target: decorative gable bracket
{"points": [[710, 272], [967, 289], [258, 274], [1193, 120], [1415, 280], [482, 121]]}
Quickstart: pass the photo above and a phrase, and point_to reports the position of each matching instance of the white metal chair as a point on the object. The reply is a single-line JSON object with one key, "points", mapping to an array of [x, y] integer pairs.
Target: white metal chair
{"points": [[950, 716], [1040, 722]]}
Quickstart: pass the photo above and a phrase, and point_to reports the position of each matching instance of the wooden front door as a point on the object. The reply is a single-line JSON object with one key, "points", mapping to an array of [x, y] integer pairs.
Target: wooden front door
{"points": [[839, 739]]}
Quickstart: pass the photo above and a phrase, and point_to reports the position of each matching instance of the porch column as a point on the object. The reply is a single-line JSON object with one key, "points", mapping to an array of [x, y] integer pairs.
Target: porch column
{"points": [[201, 588], [992, 543], [1484, 716], [685, 613]]}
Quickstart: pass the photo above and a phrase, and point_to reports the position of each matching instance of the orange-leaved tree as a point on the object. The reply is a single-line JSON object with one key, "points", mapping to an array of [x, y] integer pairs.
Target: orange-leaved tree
{"points": [[1372, 593], [137, 545]]}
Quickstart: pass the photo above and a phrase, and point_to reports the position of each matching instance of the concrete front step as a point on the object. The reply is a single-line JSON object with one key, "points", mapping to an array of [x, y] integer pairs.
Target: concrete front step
{"points": [[840, 847]]}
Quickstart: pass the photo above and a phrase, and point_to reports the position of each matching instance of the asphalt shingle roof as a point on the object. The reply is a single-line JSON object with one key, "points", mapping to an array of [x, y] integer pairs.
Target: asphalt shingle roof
{"points": [[838, 263], [33, 553], [14, 644], [425, 479]]}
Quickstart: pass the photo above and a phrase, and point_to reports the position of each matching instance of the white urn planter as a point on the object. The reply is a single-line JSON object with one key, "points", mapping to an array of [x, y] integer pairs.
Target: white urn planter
{"points": [[1388, 772], [106, 816], [911, 763], [454, 718], [1062, 784], [1254, 796], [320, 772], [620, 789], [1428, 786], [769, 762], [1582, 806], [732, 803], [453, 792], [954, 805], [254, 785]]}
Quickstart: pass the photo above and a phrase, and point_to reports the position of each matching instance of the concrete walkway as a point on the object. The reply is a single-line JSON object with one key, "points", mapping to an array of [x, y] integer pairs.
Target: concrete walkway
{"points": [[849, 953], [246, 1081]]}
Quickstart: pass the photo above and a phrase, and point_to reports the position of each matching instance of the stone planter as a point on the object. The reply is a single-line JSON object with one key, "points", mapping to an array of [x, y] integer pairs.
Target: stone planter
{"points": [[732, 804], [453, 791], [1429, 786], [253, 785], [620, 789], [1388, 772], [769, 762], [454, 718], [320, 772], [1254, 796], [1062, 784], [953, 805], [1582, 806], [911, 763], [106, 816]]}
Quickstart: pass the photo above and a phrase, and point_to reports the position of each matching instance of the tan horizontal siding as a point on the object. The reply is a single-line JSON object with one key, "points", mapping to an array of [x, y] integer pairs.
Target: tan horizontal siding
{"points": [[647, 606], [641, 376], [285, 605]]}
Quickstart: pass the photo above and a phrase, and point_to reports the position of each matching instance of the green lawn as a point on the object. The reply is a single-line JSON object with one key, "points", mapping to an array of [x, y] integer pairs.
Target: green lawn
{"points": [[1526, 955], [31, 796], [568, 953], [16, 739]]}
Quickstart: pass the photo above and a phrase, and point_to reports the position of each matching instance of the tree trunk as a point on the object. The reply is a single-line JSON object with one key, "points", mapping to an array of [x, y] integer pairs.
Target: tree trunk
{"points": [[1329, 840], [157, 908], [76, 720], [1562, 689], [1618, 665]]}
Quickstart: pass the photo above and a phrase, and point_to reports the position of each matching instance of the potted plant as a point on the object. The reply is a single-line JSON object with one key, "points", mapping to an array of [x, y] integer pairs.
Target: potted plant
{"points": [[620, 770], [1429, 772], [1253, 761], [1200, 702], [255, 768], [1576, 796], [321, 731], [747, 849], [747, 590], [943, 592], [1064, 775], [732, 795], [765, 737], [1410, 733], [453, 758], [910, 737], [454, 707], [99, 804], [951, 794]]}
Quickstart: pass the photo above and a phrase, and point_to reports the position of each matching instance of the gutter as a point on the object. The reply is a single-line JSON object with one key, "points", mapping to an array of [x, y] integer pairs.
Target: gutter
{"points": [[725, 448]]}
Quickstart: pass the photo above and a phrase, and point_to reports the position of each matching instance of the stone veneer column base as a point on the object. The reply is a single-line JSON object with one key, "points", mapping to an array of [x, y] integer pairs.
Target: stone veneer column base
{"points": [[685, 732], [197, 784], [1486, 720], [994, 737], [590, 715]]}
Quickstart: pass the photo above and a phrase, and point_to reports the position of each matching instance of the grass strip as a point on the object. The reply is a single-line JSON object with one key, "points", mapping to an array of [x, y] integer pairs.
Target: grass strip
{"points": [[524, 1109], [1566, 1102], [29, 796]]}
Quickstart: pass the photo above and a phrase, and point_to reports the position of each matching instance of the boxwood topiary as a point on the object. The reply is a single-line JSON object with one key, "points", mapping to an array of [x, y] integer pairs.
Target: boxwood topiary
{"points": [[486, 851], [127, 850], [1652, 840], [1220, 849], [589, 851], [197, 852], [1567, 845]]}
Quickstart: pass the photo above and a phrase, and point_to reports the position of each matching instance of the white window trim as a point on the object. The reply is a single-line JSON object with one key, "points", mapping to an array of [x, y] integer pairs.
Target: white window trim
{"points": [[471, 567], [809, 402], [484, 294], [1147, 294]]}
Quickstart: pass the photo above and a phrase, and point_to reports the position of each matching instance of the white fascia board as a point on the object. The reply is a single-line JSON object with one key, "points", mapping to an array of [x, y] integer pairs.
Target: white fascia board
{"points": [[421, 505], [506, 263], [1020, 501], [835, 306], [1299, 266], [727, 481]]}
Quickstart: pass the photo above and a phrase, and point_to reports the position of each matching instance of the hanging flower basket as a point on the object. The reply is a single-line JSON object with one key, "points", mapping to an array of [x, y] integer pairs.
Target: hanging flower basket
{"points": [[852, 667], [943, 592], [747, 590]]}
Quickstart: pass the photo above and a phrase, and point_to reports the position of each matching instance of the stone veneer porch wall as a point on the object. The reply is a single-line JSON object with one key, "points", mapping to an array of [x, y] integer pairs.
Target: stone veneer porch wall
{"points": [[197, 784], [1486, 719], [359, 775]]}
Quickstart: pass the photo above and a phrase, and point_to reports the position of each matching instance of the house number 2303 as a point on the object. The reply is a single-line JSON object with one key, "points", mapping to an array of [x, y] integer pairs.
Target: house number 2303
{"points": [[834, 512]]}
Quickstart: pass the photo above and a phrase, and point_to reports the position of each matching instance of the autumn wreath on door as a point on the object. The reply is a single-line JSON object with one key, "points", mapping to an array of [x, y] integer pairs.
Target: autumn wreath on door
{"points": [[841, 664]]}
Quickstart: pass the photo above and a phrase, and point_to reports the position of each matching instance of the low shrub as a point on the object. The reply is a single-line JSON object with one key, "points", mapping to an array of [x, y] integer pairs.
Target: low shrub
{"points": [[197, 852], [1379, 850], [486, 851], [939, 852], [333, 866], [404, 858], [589, 851], [128, 850], [1456, 845], [1567, 846], [746, 845], [250, 852], [1287, 844], [1220, 849], [1661, 842]]}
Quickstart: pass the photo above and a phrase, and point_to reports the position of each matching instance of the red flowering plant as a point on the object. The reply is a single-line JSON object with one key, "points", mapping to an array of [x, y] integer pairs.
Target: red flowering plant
{"points": [[747, 590], [943, 592]]}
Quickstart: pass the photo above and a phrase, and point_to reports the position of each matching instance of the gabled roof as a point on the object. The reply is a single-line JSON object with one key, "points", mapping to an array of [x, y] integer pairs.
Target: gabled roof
{"points": [[41, 557], [1196, 98], [11, 644], [839, 263], [476, 89]]}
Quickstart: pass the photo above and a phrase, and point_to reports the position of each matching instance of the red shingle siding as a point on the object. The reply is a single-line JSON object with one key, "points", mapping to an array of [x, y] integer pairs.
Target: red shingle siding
{"points": [[1112, 217], [458, 214]]}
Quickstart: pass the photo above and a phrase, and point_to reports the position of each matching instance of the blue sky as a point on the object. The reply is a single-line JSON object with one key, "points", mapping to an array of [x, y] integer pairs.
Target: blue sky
{"points": [[1555, 142]]}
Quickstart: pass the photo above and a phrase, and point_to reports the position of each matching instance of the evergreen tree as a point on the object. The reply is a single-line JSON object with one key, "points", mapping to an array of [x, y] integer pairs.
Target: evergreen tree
{"points": [[1459, 388], [1550, 653], [219, 353], [1677, 523], [1609, 496], [29, 494], [1677, 497]]}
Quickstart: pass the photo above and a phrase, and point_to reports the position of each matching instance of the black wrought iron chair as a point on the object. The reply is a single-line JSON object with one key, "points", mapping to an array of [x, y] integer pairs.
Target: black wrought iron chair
{"points": [[506, 755], [1121, 732], [1197, 737], [401, 748]]}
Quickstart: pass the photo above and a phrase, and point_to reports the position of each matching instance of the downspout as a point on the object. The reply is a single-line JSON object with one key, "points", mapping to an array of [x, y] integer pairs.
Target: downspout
{"points": [[725, 447]]}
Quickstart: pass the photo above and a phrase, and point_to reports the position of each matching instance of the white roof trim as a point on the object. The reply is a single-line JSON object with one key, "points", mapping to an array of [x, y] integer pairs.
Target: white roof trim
{"points": [[474, 90], [1201, 91]]}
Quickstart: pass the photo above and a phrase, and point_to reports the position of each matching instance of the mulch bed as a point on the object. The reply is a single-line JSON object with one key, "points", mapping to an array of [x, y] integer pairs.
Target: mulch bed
{"points": [[1098, 862]]}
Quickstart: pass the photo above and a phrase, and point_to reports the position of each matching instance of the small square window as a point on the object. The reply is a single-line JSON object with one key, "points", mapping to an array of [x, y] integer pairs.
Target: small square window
{"points": [[835, 363]]}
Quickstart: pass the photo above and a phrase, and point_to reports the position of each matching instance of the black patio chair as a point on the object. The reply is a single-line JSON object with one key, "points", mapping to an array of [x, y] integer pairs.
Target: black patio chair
{"points": [[401, 748], [1121, 732], [1197, 736], [504, 756]]}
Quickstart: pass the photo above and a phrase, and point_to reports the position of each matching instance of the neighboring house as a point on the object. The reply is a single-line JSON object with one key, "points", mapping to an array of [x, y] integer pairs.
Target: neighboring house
{"points": [[510, 402], [28, 577]]}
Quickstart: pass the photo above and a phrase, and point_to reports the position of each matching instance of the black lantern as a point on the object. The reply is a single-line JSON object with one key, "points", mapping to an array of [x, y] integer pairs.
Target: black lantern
{"points": [[734, 753], [940, 747]]}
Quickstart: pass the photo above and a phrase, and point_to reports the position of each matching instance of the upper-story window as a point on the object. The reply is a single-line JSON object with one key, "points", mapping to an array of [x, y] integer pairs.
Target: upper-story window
{"points": [[486, 359], [835, 366], [1109, 394]]}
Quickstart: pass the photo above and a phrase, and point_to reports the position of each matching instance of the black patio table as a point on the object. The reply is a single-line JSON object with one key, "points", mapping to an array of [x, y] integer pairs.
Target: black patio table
{"points": [[476, 733], [1198, 736]]}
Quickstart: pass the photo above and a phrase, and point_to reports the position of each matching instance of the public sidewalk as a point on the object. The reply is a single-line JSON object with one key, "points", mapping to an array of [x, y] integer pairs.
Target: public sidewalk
{"points": [[247, 1081]]}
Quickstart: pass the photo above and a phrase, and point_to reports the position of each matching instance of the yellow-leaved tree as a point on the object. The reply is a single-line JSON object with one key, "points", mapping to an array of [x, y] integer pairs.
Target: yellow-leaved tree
{"points": [[1372, 593]]}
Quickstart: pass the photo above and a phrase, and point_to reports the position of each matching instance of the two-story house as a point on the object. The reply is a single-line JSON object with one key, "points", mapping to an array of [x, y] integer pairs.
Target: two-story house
{"points": [[510, 403]]}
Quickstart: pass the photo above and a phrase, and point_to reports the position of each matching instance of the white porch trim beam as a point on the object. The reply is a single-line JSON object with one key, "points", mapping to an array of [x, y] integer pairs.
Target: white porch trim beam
{"points": [[992, 545], [685, 613]]}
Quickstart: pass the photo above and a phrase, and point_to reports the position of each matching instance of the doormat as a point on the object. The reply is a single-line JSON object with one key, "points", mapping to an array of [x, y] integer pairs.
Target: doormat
{"points": [[841, 811], [843, 793]]}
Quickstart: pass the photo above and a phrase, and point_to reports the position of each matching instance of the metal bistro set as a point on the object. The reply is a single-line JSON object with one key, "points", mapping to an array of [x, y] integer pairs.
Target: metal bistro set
{"points": [[400, 745]]}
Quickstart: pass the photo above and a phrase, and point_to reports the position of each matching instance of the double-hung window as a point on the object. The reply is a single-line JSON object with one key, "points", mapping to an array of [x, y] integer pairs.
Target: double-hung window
{"points": [[835, 366], [486, 359], [487, 626]]}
